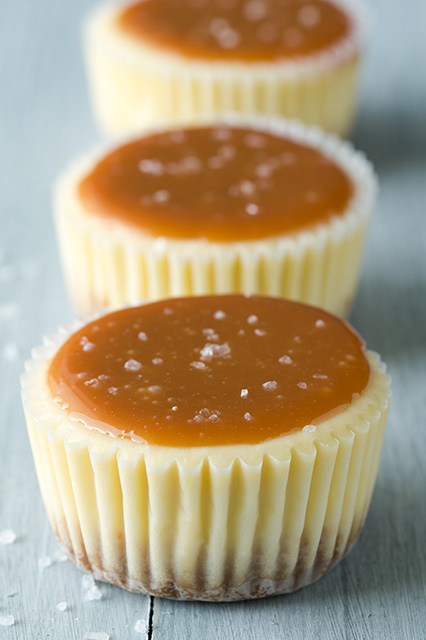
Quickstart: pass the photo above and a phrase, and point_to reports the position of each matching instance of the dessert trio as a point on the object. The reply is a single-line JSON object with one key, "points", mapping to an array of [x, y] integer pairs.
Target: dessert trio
{"points": [[212, 435]]}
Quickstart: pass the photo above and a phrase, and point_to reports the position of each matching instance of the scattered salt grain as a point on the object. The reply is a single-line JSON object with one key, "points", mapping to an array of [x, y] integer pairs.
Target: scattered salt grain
{"points": [[7, 536], [248, 416], [319, 324], [93, 382], [45, 562], [142, 336], [86, 344], [31, 270], [96, 635], [260, 332], [167, 311], [157, 361], [10, 311], [217, 26], [270, 385], [252, 209], [210, 334], [309, 428], [140, 626], [302, 385], [88, 582], [320, 376], [254, 141], [247, 187], [8, 273], [252, 319], [219, 315], [112, 390], [227, 151], [62, 606], [154, 388], [93, 593], [244, 393], [10, 351], [285, 360], [221, 134], [7, 621], [132, 365], [229, 38], [174, 408]]}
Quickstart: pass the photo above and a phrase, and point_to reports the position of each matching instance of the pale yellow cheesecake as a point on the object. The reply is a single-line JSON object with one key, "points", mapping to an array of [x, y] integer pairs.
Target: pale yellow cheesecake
{"points": [[162, 61], [251, 206], [215, 448]]}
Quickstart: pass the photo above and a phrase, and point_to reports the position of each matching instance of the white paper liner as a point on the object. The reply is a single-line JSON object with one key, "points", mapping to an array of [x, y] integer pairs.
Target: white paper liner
{"points": [[212, 523], [108, 264], [135, 84]]}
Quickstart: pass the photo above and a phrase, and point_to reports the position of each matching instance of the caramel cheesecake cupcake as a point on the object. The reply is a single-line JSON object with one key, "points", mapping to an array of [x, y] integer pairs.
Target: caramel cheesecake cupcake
{"points": [[215, 448], [162, 61], [264, 207]]}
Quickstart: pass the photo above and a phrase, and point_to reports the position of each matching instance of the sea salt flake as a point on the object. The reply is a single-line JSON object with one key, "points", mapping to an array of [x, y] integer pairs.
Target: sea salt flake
{"points": [[227, 151], [10, 351], [214, 417], [86, 344], [260, 332], [174, 408], [221, 134], [167, 311], [132, 365], [252, 319], [263, 170], [112, 390], [142, 336], [309, 428], [247, 187], [302, 385], [190, 164], [94, 593], [210, 351], [151, 167], [215, 162], [255, 10], [248, 416], [159, 197], [219, 315], [285, 360], [7, 536], [292, 37], [270, 385], [94, 382], [320, 376], [45, 562], [96, 635], [252, 209], [210, 334], [319, 324], [254, 141], [157, 361], [62, 606], [229, 38], [7, 621], [308, 16], [141, 626], [198, 365], [154, 388], [88, 582], [244, 393]]}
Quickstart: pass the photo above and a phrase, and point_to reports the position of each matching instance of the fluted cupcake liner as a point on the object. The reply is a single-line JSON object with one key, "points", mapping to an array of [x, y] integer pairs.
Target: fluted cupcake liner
{"points": [[107, 265], [134, 85], [208, 523]]}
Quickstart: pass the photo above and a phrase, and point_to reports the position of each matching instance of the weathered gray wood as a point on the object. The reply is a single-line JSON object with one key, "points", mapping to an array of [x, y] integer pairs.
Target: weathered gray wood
{"points": [[379, 591]]}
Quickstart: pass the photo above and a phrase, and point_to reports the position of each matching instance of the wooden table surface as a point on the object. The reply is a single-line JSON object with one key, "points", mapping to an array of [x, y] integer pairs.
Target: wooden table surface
{"points": [[379, 590]]}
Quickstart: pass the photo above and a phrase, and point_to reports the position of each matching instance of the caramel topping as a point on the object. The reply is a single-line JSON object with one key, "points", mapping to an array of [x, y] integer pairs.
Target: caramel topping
{"points": [[243, 30], [218, 183], [211, 370]]}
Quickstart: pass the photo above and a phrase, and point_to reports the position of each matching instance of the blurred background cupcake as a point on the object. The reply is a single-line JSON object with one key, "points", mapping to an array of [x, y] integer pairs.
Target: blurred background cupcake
{"points": [[159, 61]]}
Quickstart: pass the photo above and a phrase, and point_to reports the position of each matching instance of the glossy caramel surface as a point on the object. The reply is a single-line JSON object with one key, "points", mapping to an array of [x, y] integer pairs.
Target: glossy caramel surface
{"points": [[213, 370], [221, 184], [240, 30]]}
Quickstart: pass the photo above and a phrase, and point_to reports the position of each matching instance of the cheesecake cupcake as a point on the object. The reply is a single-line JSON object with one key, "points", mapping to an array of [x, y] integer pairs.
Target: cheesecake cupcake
{"points": [[211, 448], [259, 206], [162, 61]]}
